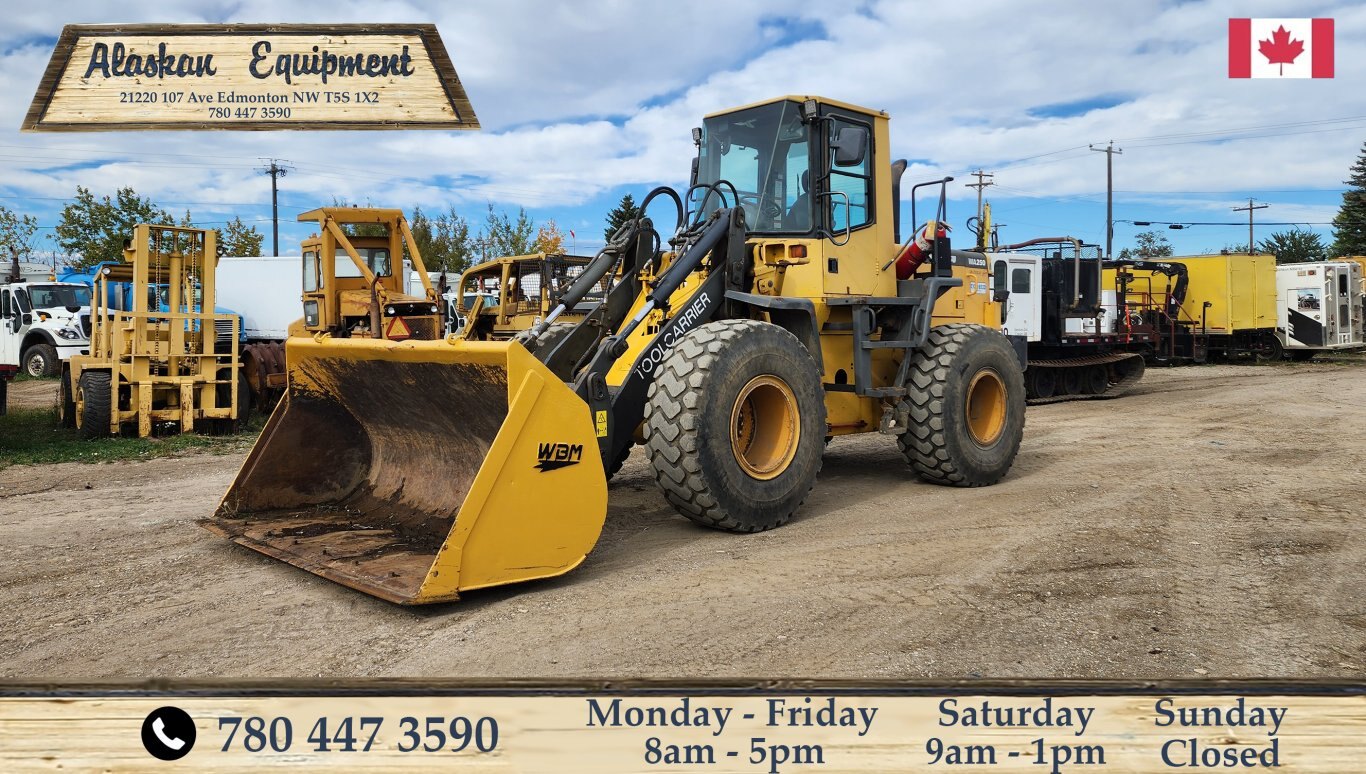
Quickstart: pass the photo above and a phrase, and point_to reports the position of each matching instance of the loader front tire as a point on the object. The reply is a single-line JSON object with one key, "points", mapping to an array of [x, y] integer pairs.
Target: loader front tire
{"points": [[734, 425], [966, 403], [93, 396]]}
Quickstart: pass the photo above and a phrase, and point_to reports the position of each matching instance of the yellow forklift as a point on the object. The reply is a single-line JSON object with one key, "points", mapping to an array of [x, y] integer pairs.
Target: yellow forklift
{"points": [[158, 358]]}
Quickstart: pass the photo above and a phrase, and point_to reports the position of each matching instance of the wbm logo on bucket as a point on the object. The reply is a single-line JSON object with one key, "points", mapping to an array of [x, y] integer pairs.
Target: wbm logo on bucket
{"points": [[1280, 48]]}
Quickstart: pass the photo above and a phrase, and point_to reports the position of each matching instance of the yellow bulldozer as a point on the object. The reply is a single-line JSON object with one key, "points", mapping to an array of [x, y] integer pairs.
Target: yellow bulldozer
{"points": [[353, 278], [499, 299], [768, 319]]}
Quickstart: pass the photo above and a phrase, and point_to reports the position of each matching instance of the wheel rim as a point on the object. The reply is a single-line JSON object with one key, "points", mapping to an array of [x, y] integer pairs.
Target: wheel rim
{"points": [[986, 407], [1045, 383], [1071, 381], [765, 427], [1097, 380], [35, 365]]}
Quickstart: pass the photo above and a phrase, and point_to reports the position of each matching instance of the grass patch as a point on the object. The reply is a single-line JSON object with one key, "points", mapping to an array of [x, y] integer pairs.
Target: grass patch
{"points": [[34, 437]]}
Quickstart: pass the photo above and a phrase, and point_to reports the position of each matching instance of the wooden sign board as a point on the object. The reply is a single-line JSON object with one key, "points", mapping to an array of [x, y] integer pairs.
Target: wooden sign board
{"points": [[249, 77]]}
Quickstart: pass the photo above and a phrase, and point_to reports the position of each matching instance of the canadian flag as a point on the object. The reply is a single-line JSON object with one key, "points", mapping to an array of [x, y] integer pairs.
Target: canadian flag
{"points": [[1280, 48]]}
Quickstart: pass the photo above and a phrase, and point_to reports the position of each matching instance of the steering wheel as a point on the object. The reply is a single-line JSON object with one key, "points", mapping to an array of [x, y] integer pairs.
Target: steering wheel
{"points": [[760, 211]]}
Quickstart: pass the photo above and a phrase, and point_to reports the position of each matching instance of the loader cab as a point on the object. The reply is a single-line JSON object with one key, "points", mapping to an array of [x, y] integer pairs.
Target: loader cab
{"points": [[353, 277], [797, 167], [810, 174]]}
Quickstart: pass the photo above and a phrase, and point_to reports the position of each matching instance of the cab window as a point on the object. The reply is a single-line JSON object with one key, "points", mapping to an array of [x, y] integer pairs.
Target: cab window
{"points": [[1019, 281], [851, 187], [998, 276], [376, 258], [310, 271]]}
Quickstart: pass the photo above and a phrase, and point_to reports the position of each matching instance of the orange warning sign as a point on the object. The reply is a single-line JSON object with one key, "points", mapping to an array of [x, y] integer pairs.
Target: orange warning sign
{"points": [[397, 330]]}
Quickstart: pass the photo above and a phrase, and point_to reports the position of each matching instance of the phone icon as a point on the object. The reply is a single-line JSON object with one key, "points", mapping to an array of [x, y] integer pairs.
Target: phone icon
{"points": [[159, 728], [168, 733]]}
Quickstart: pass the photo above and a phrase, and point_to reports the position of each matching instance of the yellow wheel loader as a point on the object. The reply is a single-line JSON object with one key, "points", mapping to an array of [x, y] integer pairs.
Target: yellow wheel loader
{"points": [[768, 320]]}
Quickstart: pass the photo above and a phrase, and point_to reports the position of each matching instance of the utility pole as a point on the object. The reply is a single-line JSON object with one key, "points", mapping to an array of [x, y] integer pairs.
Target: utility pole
{"points": [[276, 172], [1109, 150], [983, 179], [1251, 245]]}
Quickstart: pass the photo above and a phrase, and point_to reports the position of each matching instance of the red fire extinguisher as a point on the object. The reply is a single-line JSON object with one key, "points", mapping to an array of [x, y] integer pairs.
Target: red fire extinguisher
{"points": [[919, 249]]}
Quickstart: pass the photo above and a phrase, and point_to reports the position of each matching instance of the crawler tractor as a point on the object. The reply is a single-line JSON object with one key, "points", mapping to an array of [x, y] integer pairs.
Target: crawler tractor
{"points": [[499, 299], [766, 319]]}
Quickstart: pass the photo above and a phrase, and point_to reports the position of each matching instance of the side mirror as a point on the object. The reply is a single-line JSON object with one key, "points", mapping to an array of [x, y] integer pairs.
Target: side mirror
{"points": [[850, 146], [1000, 296]]}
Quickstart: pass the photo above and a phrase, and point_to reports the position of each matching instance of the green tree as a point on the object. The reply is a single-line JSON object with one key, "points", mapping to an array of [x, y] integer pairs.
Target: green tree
{"points": [[238, 238], [16, 236], [1349, 225], [443, 241], [625, 210], [92, 229], [1294, 246], [1148, 244], [504, 236]]}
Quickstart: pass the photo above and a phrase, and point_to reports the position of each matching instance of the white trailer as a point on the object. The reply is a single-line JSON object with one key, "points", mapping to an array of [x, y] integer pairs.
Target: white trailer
{"points": [[265, 291], [1320, 307]]}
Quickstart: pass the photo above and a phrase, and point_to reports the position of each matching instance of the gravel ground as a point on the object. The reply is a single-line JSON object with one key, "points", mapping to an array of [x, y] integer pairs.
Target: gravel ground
{"points": [[1208, 524]]}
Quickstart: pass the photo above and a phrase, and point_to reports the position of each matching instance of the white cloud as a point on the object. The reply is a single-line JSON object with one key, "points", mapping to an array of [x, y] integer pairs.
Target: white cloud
{"points": [[562, 90]]}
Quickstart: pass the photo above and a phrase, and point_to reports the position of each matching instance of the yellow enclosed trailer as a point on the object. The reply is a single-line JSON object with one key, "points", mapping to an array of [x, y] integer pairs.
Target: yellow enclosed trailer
{"points": [[1229, 308]]}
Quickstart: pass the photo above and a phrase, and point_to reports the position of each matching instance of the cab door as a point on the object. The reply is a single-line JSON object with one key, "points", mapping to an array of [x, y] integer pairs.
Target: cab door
{"points": [[11, 328], [1020, 277]]}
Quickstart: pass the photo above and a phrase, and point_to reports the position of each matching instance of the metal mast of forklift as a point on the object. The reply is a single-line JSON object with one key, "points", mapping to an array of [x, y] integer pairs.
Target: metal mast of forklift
{"points": [[1109, 150], [1251, 245]]}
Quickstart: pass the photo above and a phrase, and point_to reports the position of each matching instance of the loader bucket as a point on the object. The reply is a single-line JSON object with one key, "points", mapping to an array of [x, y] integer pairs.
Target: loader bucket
{"points": [[415, 470]]}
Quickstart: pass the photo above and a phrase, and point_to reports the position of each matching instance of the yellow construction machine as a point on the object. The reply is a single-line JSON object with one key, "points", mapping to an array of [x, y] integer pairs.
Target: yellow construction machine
{"points": [[768, 319], [499, 299], [353, 278], [154, 352]]}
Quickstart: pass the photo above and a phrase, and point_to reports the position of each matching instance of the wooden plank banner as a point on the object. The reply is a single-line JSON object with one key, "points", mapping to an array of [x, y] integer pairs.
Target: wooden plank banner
{"points": [[249, 77], [528, 728]]}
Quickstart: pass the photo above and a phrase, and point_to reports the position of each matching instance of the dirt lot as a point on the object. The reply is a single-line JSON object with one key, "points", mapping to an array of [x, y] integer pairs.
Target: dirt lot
{"points": [[1211, 523], [33, 393]]}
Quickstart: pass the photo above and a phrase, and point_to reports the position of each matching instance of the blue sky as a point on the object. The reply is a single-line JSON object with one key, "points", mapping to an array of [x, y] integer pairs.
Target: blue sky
{"points": [[583, 102]]}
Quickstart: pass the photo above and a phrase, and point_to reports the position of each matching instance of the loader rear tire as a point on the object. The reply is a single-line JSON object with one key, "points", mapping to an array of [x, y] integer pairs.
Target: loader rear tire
{"points": [[966, 404], [93, 396], [734, 425]]}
